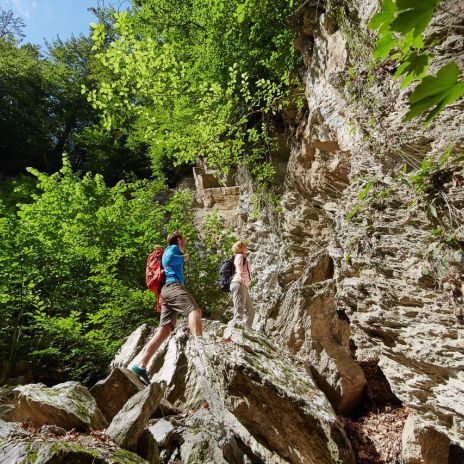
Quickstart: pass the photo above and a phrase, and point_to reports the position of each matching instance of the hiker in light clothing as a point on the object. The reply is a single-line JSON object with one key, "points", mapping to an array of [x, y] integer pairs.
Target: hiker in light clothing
{"points": [[175, 300], [243, 306]]}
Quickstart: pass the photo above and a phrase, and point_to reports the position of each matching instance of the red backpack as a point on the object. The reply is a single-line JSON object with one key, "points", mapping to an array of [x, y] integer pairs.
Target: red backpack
{"points": [[154, 275]]}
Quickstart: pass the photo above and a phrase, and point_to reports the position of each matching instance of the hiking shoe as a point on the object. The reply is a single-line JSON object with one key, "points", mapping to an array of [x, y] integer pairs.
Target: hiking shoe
{"points": [[141, 373]]}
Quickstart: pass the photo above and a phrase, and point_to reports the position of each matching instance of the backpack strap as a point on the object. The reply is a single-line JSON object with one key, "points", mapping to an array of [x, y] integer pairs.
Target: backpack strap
{"points": [[248, 267]]}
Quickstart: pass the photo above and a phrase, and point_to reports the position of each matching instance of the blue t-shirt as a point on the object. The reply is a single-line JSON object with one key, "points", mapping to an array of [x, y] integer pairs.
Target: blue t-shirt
{"points": [[173, 264]]}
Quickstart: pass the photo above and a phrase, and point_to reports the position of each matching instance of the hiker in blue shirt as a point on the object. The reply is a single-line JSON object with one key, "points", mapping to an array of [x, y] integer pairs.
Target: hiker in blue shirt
{"points": [[173, 264], [175, 300]]}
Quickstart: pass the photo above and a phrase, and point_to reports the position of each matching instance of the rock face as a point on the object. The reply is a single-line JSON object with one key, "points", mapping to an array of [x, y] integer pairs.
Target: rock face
{"points": [[63, 452], [250, 401], [130, 422], [113, 392], [422, 444], [68, 405], [349, 271]]}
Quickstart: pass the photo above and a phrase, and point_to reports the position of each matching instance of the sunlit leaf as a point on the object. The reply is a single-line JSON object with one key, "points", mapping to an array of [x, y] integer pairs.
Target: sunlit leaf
{"points": [[435, 92], [414, 16], [414, 67]]}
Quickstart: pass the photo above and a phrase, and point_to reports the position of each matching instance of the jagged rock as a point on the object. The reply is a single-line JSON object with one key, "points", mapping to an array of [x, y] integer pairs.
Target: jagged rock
{"points": [[201, 442], [162, 431], [147, 447], [252, 393], [113, 392], [389, 294], [6, 412], [68, 405], [309, 325], [422, 443], [165, 408], [10, 430], [61, 452], [131, 346], [129, 424]]}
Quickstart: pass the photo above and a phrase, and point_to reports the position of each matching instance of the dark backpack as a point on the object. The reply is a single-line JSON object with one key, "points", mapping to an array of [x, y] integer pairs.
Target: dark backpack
{"points": [[154, 275], [226, 273]]}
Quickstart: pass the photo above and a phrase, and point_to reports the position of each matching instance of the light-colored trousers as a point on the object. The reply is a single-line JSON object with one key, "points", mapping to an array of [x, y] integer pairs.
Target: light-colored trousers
{"points": [[243, 306]]}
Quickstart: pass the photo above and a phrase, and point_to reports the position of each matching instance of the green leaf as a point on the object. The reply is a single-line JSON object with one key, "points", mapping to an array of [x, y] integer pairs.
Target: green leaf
{"points": [[365, 191], [383, 46], [436, 91], [414, 67], [445, 157], [381, 21], [416, 16], [351, 214]]}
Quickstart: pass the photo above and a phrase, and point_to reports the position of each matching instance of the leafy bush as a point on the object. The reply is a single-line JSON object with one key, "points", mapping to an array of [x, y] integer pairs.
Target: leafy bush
{"points": [[72, 274]]}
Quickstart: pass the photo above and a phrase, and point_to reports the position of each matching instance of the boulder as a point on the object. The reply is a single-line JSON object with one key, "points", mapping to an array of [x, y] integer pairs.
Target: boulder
{"points": [[112, 393], [131, 346], [147, 447], [129, 424], [422, 443], [62, 452], [163, 431], [68, 405]]}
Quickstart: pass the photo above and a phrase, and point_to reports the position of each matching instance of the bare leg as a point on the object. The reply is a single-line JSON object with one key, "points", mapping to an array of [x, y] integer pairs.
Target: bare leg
{"points": [[150, 348], [194, 320]]}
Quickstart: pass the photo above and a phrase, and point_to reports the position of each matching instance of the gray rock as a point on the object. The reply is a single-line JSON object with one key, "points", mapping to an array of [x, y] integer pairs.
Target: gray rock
{"points": [[113, 392], [10, 430], [247, 392], [61, 452], [382, 298], [162, 431], [422, 443], [166, 408], [129, 424], [68, 405], [147, 447], [131, 346]]}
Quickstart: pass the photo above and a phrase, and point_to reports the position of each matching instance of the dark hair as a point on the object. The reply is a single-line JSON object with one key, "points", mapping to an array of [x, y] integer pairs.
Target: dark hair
{"points": [[172, 238]]}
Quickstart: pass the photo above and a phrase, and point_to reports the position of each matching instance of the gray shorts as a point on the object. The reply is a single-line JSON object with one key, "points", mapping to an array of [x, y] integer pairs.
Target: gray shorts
{"points": [[175, 299]]}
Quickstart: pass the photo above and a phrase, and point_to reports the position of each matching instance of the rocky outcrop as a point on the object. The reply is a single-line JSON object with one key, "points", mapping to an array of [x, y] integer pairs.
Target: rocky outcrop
{"points": [[348, 270], [422, 444], [246, 394], [112, 393], [68, 405], [130, 422], [131, 347], [39, 448], [232, 396]]}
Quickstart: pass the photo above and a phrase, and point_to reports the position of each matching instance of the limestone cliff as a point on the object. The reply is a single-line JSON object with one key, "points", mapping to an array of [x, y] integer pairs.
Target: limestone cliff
{"points": [[349, 270]]}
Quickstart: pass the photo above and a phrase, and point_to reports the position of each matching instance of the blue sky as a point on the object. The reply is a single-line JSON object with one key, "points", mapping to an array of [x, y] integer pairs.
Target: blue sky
{"points": [[49, 18]]}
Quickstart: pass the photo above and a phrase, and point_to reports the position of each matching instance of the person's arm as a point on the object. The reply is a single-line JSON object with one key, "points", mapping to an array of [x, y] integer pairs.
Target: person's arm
{"points": [[238, 262]]}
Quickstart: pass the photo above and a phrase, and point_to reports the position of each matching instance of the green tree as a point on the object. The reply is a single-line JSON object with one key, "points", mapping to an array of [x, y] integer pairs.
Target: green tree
{"points": [[197, 79], [72, 268]]}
